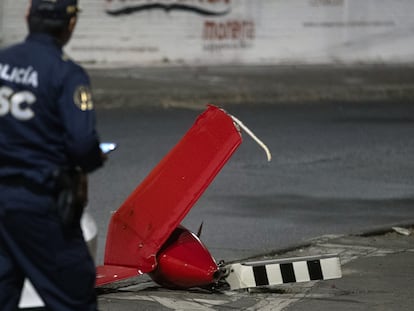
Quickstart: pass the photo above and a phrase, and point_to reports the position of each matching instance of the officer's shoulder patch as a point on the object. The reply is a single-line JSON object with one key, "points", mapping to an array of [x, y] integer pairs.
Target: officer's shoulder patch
{"points": [[83, 98]]}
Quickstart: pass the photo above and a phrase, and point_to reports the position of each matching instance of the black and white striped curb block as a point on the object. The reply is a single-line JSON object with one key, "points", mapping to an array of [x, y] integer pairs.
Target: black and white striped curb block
{"points": [[282, 271]]}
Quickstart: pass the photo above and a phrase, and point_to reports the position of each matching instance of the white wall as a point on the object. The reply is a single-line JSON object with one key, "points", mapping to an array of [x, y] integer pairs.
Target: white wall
{"points": [[265, 31]]}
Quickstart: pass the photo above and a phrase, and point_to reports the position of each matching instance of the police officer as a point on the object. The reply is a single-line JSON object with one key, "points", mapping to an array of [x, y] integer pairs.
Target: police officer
{"points": [[47, 126]]}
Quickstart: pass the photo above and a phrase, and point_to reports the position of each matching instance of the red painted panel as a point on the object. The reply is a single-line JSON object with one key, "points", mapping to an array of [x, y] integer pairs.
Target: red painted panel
{"points": [[184, 262], [110, 274], [156, 207]]}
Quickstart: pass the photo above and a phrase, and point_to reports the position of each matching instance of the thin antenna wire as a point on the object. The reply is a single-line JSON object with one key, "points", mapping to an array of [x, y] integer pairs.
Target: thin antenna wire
{"points": [[252, 135]]}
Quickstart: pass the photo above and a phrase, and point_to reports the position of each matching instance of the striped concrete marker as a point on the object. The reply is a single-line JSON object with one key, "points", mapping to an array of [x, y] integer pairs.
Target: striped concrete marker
{"points": [[282, 271]]}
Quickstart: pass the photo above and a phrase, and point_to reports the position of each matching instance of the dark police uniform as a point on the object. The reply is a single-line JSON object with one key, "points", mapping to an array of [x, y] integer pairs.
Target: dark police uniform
{"points": [[47, 122]]}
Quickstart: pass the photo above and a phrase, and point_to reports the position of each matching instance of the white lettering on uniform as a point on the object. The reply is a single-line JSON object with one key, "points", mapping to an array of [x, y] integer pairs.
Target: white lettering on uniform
{"points": [[33, 79], [16, 109], [17, 104], [5, 93], [4, 73], [25, 76]]}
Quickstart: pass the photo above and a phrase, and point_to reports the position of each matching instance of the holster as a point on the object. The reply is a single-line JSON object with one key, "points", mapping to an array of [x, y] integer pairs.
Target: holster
{"points": [[72, 190]]}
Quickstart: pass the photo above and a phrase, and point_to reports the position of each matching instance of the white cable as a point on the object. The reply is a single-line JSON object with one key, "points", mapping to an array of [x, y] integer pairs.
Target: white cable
{"points": [[251, 134]]}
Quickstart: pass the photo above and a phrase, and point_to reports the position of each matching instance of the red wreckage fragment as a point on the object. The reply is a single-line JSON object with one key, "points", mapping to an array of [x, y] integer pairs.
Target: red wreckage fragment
{"points": [[144, 235]]}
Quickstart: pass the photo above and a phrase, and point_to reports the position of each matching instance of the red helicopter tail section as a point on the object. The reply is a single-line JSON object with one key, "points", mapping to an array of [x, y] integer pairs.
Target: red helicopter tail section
{"points": [[144, 222], [108, 274]]}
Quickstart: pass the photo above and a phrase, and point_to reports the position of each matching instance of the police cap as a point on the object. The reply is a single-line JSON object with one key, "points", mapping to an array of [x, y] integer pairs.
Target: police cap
{"points": [[54, 9]]}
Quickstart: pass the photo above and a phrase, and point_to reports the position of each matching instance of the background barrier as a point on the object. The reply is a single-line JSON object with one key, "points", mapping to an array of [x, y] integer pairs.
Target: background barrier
{"points": [[191, 32]]}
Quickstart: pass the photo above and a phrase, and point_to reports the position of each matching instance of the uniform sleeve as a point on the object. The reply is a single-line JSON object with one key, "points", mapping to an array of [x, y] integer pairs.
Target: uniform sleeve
{"points": [[79, 121]]}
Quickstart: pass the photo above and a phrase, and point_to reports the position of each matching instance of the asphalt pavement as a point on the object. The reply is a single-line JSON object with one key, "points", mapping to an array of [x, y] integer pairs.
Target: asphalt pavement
{"points": [[193, 87], [377, 265], [377, 273]]}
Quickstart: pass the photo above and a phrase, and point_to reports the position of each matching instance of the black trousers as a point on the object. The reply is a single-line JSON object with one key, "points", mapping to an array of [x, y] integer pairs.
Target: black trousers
{"points": [[34, 245]]}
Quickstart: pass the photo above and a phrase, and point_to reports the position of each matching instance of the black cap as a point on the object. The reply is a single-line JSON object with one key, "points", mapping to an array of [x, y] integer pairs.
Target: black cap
{"points": [[54, 9]]}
